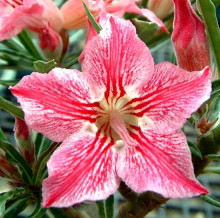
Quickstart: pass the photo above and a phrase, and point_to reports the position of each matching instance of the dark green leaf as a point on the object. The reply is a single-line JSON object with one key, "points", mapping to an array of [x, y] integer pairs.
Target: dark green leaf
{"points": [[101, 207], [208, 13], [109, 207], [16, 206], [20, 161], [58, 213], [40, 166], [5, 197], [44, 145], [2, 135], [145, 30], [194, 149], [9, 82], [13, 44], [211, 200], [95, 25], [44, 67], [38, 211], [26, 41], [11, 108], [213, 156]]}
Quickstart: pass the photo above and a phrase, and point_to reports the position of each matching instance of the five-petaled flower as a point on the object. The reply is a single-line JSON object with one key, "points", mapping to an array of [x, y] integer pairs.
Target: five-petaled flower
{"points": [[119, 120]]}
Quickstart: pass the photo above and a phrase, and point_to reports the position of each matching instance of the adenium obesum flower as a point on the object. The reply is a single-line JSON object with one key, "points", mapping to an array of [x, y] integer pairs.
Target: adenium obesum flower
{"points": [[119, 120], [75, 17], [189, 38], [41, 16], [161, 8]]}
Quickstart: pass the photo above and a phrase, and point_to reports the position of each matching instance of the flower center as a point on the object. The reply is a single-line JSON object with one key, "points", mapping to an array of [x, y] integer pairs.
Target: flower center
{"points": [[112, 107]]}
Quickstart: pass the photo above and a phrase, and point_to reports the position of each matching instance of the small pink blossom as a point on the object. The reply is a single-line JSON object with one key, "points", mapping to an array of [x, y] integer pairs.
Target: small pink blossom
{"points": [[39, 16], [119, 120], [75, 16], [189, 38]]}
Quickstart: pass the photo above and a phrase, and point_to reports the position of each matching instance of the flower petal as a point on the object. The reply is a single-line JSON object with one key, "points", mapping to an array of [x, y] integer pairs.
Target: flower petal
{"points": [[56, 104], [171, 96], [117, 58], [82, 168], [161, 164]]}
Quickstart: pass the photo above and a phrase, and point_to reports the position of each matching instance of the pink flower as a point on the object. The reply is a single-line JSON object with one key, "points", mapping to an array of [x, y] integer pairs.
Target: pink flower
{"points": [[162, 8], [189, 38], [75, 16], [119, 120], [41, 16]]}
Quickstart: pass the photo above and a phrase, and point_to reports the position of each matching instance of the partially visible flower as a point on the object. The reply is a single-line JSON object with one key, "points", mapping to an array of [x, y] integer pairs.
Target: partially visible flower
{"points": [[41, 16], [24, 140], [162, 8], [189, 38], [119, 120], [75, 16]]}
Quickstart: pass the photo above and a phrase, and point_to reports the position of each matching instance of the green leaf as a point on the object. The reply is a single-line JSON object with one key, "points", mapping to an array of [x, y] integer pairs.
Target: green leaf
{"points": [[213, 156], [194, 149], [145, 30], [213, 169], [13, 44], [18, 159], [207, 9], [44, 67], [38, 211], [95, 25], [211, 200], [215, 89], [40, 166], [58, 213], [2, 135], [42, 146], [106, 207], [11, 108], [5, 197], [26, 41], [9, 82], [16, 206]]}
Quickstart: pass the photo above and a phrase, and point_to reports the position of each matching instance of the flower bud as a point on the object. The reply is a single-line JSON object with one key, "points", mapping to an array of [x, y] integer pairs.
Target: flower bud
{"points": [[23, 139], [189, 38], [162, 8]]}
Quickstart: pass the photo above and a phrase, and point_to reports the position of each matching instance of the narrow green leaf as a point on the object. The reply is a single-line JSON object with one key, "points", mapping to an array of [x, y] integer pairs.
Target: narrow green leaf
{"points": [[38, 211], [213, 169], [211, 200], [213, 156], [44, 145], [18, 159], [194, 149], [216, 85], [109, 207], [13, 44], [11, 108], [95, 25], [26, 41], [145, 30], [44, 67], [101, 208], [5, 197], [208, 13], [40, 166], [16, 206], [16, 54], [59, 213], [2, 135], [9, 82]]}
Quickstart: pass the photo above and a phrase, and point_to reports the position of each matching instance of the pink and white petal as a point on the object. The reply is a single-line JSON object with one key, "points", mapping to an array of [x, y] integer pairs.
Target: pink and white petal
{"points": [[56, 104], [161, 164], [82, 168], [117, 58], [171, 96], [22, 17], [150, 15]]}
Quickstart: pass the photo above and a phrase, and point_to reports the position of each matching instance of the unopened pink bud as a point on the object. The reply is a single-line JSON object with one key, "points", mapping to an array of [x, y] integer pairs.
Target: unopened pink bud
{"points": [[189, 38], [162, 8]]}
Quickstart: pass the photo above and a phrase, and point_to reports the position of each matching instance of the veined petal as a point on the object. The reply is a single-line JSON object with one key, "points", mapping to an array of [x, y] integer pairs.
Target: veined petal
{"points": [[82, 168], [161, 164], [171, 96], [22, 17], [56, 104], [117, 59]]}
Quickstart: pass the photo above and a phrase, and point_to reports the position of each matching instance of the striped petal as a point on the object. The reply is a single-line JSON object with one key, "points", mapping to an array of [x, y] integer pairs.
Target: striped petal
{"points": [[56, 104], [161, 164], [117, 58], [171, 96], [82, 168]]}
